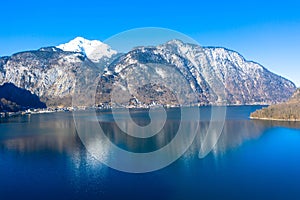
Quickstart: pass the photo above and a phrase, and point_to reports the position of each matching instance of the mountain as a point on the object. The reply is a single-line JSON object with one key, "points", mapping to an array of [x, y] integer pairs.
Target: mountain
{"points": [[51, 73], [15, 99], [93, 49], [205, 69], [296, 97], [48, 73], [287, 111]]}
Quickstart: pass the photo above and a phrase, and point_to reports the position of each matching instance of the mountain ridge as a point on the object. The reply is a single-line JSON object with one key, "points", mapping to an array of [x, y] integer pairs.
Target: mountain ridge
{"points": [[242, 78], [49, 72]]}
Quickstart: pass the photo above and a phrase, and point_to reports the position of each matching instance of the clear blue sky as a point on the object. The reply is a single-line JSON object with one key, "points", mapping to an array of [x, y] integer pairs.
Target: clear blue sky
{"points": [[266, 32]]}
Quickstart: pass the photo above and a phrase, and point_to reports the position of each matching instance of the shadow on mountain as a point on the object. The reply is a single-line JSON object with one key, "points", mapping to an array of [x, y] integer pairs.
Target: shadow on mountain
{"points": [[13, 98]]}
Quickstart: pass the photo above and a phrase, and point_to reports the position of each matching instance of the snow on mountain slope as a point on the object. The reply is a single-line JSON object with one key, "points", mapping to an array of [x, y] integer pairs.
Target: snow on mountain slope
{"points": [[50, 72], [93, 49], [209, 68]]}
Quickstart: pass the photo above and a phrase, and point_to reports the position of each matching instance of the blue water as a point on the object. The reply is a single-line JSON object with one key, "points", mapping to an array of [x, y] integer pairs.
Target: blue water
{"points": [[42, 157]]}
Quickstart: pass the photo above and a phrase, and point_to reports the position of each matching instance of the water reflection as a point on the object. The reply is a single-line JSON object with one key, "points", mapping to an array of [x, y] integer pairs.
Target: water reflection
{"points": [[42, 154], [56, 133], [39, 132], [236, 132]]}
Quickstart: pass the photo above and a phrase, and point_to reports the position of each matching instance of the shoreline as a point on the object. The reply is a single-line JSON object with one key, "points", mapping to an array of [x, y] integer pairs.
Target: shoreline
{"points": [[70, 109], [274, 119], [32, 112]]}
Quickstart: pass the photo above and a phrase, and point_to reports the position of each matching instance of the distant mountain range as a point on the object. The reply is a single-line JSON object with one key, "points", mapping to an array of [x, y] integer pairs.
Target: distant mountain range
{"points": [[50, 72]]}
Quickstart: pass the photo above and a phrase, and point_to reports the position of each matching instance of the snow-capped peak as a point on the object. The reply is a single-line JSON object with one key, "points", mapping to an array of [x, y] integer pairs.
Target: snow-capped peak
{"points": [[93, 49], [175, 42]]}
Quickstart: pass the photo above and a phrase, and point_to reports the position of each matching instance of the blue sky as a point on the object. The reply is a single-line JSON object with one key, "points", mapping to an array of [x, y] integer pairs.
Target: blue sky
{"points": [[266, 32]]}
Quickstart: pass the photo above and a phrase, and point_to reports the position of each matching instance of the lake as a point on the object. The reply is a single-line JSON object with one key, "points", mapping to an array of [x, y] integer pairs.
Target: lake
{"points": [[43, 157]]}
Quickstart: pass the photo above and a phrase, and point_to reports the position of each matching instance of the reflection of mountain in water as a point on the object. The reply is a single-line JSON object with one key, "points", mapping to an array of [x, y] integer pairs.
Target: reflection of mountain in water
{"points": [[236, 132], [56, 133], [37, 133]]}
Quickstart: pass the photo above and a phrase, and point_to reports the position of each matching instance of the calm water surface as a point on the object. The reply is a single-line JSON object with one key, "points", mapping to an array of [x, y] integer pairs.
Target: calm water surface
{"points": [[42, 157]]}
